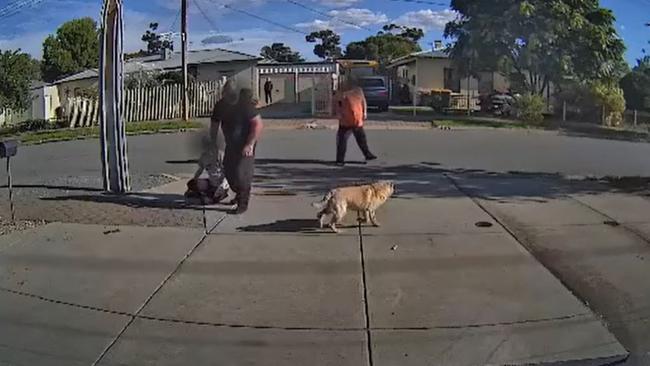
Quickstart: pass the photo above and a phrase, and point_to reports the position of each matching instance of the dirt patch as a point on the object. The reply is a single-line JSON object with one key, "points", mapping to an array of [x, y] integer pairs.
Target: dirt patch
{"points": [[8, 227]]}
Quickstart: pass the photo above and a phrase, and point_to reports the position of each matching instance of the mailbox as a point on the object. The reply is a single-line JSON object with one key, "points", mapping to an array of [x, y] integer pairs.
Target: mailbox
{"points": [[8, 148]]}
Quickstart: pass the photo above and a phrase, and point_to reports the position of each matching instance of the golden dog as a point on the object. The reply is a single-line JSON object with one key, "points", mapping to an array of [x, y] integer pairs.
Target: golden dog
{"points": [[364, 199]]}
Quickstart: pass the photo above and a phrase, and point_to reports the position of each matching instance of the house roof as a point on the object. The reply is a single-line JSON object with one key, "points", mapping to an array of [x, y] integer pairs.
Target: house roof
{"points": [[172, 62], [440, 54], [268, 62], [37, 84], [86, 74]]}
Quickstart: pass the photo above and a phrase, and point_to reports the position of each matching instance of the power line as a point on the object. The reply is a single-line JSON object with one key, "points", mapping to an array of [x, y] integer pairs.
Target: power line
{"points": [[313, 10], [423, 2], [16, 7], [205, 15], [176, 18], [264, 19]]}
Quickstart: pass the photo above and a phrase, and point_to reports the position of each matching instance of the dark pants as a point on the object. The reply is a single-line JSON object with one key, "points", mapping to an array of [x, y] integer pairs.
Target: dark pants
{"points": [[239, 171], [342, 142], [269, 97]]}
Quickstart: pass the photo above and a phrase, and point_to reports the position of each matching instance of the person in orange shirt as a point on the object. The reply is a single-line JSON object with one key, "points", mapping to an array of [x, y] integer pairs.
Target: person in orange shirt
{"points": [[352, 111]]}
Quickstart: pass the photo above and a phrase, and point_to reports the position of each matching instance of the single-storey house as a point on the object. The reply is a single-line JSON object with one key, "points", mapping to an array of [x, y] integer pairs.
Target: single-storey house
{"points": [[203, 65], [294, 82], [428, 70], [44, 101]]}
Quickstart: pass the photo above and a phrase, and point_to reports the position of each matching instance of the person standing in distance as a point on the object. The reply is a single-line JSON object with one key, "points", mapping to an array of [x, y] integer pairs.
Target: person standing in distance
{"points": [[352, 111], [236, 114], [268, 91]]}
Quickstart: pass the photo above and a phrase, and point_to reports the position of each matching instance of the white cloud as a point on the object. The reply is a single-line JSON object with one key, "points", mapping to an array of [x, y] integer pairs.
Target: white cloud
{"points": [[209, 6], [31, 27], [135, 24], [337, 3], [352, 18], [251, 41], [316, 25], [31, 43], [427, 19], [361, 17]]}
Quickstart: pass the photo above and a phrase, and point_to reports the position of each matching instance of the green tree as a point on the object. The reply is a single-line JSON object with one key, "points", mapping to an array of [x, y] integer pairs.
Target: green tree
{"points": [[393, 42], [611, 100], [542, 41], [329, 47], [17, 70], [360, 51], [74, 48], [636, 85], [156, 44], [412, 34], [281, 53]]}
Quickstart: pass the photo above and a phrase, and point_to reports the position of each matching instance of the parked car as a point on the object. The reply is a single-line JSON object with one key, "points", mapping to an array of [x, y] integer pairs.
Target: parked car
{"points": [[376, 91], [503, 105], [497, 103]]}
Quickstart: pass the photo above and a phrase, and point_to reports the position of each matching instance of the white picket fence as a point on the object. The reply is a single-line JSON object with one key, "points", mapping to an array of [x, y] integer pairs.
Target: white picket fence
{"points": [[149, 104], [10, 117]]}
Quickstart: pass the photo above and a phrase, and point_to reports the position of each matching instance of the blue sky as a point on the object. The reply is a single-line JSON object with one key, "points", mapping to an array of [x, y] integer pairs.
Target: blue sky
{"points": [[27, 29]]}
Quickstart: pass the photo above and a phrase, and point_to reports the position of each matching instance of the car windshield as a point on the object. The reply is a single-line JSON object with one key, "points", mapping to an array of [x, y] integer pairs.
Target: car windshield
{"points": [[371, 83]]}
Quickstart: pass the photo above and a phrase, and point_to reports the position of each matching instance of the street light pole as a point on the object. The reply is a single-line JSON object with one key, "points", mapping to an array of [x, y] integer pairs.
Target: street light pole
{"points": [[185, 102]]}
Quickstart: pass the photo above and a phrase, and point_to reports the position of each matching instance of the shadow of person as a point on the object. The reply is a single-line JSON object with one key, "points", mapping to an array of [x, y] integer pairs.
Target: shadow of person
{"points": [[305, 226]]}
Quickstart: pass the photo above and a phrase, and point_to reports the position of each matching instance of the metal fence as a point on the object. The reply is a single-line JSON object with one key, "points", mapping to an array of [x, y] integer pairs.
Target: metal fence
{"points": [[570, 113]]}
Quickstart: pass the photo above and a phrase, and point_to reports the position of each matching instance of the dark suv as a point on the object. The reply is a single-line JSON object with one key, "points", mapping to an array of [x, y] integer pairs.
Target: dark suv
{"points": [[376, 91]]}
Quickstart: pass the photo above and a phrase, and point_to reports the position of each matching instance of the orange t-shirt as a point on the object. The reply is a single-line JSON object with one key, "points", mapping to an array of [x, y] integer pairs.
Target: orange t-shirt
{"points": [[352, 108]]}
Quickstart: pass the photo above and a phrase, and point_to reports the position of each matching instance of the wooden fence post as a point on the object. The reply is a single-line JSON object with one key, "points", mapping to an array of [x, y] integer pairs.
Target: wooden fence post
{"points": [[96, 113], [166, 101], [159, 102], [140, 104], [154, 103], [73, 112]]}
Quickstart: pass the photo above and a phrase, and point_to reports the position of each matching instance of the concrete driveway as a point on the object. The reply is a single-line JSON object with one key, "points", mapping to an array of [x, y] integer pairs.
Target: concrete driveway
{"points": [[472, 265]]}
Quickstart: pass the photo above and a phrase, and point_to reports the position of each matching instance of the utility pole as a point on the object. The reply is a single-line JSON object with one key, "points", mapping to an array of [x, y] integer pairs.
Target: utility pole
{"points": [[185, 102]]}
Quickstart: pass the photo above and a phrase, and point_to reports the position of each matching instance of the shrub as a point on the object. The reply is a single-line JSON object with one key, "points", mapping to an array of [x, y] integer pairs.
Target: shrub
{"points": [[530, 108], [25, 126], [636, 85], [611, 100], [34, 125]]}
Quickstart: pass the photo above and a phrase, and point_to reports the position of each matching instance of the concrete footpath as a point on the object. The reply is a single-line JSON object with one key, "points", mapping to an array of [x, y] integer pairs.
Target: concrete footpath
{"points": [[444, 281], [595, 240]]}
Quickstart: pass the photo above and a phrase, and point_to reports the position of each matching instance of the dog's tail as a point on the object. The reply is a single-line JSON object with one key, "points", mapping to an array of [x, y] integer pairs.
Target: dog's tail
{"points": [[321, 204]]}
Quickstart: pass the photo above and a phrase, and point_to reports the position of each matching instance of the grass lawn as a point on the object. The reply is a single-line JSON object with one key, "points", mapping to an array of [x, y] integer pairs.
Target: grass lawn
{"points": [[66, 134], [477, 122], [408, 110]]}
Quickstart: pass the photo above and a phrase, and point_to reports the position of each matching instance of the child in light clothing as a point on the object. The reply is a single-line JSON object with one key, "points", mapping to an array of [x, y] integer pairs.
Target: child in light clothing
{"points": [[215, 188]]}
